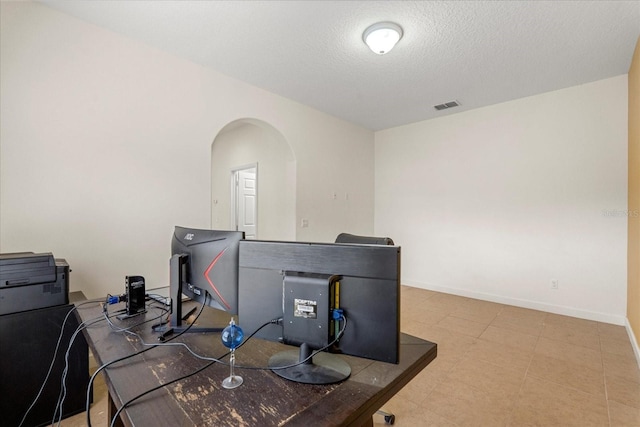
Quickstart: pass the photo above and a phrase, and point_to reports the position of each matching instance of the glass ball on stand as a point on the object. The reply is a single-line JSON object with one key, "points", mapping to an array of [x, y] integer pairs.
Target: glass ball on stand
{"points": [[232, 337]]}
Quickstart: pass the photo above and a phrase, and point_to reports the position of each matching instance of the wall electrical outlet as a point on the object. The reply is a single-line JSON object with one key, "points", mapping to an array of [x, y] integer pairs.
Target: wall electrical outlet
{"points": [[554, 283]]}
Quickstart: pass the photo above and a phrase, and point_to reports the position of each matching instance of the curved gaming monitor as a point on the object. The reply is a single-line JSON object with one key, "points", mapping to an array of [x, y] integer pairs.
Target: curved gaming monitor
{"points": [[204, 262]]}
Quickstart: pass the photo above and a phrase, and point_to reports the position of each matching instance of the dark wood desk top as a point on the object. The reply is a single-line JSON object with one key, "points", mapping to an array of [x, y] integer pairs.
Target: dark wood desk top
{"points": [[264, 399]]}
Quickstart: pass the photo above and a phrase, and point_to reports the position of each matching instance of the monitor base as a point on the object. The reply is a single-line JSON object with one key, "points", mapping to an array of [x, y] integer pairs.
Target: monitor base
{"points": [[323, 368]]}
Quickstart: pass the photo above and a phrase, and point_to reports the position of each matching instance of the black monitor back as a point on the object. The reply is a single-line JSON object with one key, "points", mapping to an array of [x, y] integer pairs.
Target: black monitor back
{"points": [[369, 290], [211, 265]]}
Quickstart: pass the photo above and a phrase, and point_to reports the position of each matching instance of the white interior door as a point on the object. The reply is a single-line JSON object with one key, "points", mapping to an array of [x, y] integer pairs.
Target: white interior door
{"points": [[244, 208]]}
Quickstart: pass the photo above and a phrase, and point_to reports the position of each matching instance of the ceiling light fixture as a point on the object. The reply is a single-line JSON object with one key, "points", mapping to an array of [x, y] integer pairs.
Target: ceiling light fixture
{"points": [[382, 37]]}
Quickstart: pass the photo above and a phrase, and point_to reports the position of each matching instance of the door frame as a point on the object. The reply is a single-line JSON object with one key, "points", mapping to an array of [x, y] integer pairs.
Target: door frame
{"points": [[233, 181]]}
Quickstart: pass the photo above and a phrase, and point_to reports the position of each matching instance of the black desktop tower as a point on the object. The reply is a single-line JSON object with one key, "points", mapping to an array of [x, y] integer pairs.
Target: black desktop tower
{"points": [[34, 301], [27, 343]]}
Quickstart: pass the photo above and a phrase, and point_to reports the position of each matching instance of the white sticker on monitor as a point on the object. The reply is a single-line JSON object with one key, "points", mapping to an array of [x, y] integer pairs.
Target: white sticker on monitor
{"points": [[305, 308]]}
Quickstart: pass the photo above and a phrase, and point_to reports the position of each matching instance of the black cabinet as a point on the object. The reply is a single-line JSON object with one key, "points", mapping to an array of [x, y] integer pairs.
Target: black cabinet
{"points": [[27, 344]]}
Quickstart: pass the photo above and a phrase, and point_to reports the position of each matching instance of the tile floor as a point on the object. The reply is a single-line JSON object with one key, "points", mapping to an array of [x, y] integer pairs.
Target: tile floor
{"points": [[500, 365]]}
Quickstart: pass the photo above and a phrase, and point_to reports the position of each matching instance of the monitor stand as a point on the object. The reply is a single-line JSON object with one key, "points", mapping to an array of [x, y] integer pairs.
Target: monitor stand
{"points": [[175, 325], [323, 368]]}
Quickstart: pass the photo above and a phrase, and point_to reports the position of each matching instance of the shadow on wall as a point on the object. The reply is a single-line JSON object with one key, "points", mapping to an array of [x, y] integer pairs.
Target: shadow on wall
{"points": [[247, 142]]}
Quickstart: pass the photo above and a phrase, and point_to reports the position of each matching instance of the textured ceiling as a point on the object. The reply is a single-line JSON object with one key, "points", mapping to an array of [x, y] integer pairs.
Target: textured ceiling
{"points": [[478, 53]]}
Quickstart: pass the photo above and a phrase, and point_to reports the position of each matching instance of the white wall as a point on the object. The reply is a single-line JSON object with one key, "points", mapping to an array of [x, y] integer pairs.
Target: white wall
{"points": [[493, 203], [105, 146], [106, 142]]}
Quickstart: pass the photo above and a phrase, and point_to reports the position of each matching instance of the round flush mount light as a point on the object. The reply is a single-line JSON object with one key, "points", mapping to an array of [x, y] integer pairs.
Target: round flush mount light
{"points": [[382, 37]]}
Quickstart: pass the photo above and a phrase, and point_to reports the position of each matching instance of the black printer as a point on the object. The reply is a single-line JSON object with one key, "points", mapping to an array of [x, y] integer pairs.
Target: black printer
{"points": [[29, 281]]}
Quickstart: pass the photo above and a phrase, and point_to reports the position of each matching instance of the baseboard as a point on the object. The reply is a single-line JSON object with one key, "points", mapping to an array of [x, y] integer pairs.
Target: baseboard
{"points": [[534, 305], [634, 342]]}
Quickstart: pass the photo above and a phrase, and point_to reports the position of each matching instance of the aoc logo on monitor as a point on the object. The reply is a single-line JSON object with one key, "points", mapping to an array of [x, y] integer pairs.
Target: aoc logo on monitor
{"points": [[189, 236]]}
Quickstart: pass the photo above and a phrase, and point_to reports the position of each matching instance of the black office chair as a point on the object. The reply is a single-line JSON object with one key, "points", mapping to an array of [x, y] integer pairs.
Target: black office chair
{"points": [[365, 240], [389, 418]]}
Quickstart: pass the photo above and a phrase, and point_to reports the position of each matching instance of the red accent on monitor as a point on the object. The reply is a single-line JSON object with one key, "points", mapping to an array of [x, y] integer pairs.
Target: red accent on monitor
{"points": [[206, 276]]}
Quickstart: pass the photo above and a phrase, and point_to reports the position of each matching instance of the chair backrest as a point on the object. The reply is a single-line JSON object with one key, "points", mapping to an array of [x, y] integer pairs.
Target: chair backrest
{"points": [[365, 240]]}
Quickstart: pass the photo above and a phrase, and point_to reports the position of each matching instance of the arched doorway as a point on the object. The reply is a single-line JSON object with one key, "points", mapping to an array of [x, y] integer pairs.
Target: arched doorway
{"points": [[251, 142]]}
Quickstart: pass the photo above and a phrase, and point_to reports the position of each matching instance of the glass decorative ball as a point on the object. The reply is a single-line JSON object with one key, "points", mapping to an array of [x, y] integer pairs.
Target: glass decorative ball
{"points": [[232, 336]]}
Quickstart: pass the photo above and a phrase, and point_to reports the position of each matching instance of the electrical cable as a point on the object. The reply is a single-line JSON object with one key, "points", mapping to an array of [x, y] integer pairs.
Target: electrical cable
{"points": [[63, 386], [105, 365], [53, 360], [117, 414], [262, 368], [115, 328], [335, 340], [211, 362], [159, 298], [63, 390]]}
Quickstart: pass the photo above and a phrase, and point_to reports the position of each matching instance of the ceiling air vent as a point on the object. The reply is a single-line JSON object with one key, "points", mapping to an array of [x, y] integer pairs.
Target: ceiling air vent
{"points": [[446, 105]]}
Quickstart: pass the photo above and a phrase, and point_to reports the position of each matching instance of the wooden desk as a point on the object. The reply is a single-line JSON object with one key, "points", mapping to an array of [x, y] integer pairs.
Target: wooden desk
{"points": [[263, 400]]}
